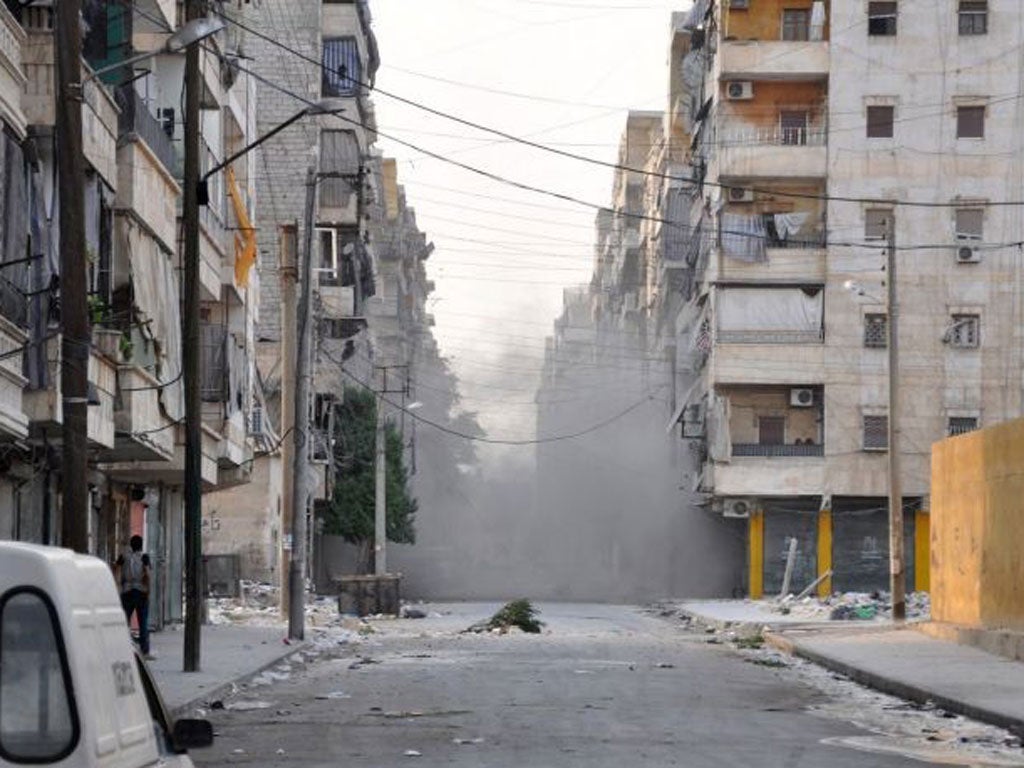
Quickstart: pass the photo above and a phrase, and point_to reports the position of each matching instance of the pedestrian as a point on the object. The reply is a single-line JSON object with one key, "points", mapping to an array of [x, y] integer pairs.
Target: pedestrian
{"points": [[133, 577]]}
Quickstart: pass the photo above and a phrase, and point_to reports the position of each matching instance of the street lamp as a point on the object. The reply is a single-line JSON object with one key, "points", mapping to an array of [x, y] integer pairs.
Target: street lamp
{"points": [[897, 573], [190, 33]]}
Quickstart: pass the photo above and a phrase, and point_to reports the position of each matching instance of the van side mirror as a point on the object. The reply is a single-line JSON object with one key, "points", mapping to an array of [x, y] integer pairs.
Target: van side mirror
{"points": [[191, 734]]}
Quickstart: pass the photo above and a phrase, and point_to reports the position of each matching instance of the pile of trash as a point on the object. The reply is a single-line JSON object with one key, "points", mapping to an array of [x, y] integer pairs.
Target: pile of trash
{"points": [[518, 614], [852, 606]]}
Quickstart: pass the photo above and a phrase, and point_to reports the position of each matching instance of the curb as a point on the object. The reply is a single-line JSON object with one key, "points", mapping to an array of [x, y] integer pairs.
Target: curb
{"points": [[224, 689], [896, 688]]}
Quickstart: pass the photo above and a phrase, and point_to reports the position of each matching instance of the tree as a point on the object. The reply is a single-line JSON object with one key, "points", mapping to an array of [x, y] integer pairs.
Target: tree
{"points": [[350, 513]]}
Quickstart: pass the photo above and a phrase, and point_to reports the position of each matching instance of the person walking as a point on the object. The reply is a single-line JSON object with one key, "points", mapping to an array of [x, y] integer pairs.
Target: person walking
{"points": [[133, 577]]}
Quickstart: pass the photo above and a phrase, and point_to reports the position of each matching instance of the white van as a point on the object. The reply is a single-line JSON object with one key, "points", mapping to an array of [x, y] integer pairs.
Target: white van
{"points": [[73, 690]]}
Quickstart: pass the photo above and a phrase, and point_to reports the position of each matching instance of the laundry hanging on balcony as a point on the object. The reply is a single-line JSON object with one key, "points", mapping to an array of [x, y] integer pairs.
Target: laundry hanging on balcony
{"points": [[743, 237], [245, 237], [789, 224], [818, 20]]}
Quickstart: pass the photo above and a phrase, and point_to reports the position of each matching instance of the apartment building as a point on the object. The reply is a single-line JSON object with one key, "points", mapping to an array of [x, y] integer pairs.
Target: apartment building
{"points": [[132, 136], [821, 128]]}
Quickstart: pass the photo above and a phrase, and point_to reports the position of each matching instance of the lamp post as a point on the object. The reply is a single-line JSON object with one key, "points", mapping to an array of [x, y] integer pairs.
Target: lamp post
{"points": [[196, 194]]}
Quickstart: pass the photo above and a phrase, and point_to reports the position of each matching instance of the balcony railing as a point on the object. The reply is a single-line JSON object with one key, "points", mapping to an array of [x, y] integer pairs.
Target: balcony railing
{"points": [[773, 136], [771, 337], [136, 118], [776, 451]]}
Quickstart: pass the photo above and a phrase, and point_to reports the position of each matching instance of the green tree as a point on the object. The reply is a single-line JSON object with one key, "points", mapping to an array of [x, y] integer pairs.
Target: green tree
{"points": [[351, 511]]}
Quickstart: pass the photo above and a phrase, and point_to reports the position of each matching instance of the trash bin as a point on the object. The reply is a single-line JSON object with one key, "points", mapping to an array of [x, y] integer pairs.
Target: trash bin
{"points": [[369, 595]]}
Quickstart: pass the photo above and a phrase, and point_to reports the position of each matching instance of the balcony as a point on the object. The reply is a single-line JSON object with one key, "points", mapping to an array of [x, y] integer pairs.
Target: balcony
{"points": [[777, 451], [99, 113], [774, 60], [12, 80], [45, 407], [13, 420], [142, 431], [774, 153], [137, 121], [145, 182], [171, 472]]}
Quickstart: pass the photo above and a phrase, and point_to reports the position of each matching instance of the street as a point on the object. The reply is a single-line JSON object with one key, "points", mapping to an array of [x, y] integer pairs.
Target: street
{"points": [[603, 686]]}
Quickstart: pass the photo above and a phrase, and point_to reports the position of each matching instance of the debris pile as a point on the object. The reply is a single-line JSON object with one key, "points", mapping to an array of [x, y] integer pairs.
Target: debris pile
{"points": [[518, 614], [852, 606]]}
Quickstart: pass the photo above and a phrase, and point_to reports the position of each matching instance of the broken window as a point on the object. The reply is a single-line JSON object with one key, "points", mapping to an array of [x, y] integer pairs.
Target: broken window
{"points": [[877, 222], [965, 332], [876, 331], [882, 19], [796, 24], [876, 433], [973, 17], [961, 425], [970, 122], [880, 122]]}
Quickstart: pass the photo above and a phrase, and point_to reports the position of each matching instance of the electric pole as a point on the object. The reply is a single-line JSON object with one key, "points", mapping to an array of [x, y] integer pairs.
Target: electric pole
{"points": [[380, 519], [288, 263], [190, 359], [303, 374], [898, 584], [76, 334]]}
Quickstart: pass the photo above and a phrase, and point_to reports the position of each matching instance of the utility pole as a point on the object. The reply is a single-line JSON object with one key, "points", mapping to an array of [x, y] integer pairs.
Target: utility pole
{"points": [[380, 519], [898, 584], [190, 359], [76, 339], [303, 374], [289, 274]]}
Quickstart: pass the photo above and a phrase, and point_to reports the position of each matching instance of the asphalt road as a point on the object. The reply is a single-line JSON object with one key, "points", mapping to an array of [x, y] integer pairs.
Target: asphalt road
{"points": [[603, 686]]}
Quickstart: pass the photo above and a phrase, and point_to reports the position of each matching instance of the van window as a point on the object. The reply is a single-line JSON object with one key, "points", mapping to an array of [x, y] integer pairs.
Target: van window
{"points": [[38, 723]]}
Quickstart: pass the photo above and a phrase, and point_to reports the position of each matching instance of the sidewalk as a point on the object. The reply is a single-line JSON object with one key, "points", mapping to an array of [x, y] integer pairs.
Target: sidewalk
{"points": [[227, 654], [902, 662]]}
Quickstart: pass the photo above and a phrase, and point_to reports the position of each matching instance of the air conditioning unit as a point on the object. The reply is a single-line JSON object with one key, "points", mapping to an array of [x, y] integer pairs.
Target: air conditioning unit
{"points": [[743, 4], [801, 398], [739, 90], [736, 508], [967, 254], [741, 195]]}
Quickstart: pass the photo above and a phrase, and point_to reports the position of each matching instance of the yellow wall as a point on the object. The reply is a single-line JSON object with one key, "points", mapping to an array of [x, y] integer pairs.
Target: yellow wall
{"points": [[771, 98], [977, 528], [755, 560], [825, 550], [763, 20]]}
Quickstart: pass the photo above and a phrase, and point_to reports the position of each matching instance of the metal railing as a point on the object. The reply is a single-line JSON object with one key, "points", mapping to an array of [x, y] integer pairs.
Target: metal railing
{"points": [[772, 136], [777, 451], [136, 118]]}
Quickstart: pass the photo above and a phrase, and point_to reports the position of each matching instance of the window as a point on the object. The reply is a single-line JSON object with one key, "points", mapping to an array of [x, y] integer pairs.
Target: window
{"points": [[973, 17], [961, 425], [965, 332], [970, 122], [877, 222], [882, 19], [794, 127], [969, 222], [327, 259], [876, 331], [876, 433], [771, 430], [342, 73], [880, 122], [796, 24], [38, 722]]}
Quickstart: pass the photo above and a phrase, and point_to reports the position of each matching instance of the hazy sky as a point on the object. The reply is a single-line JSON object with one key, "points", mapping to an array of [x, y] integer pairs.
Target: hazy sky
{"points": [[561, 72]]}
